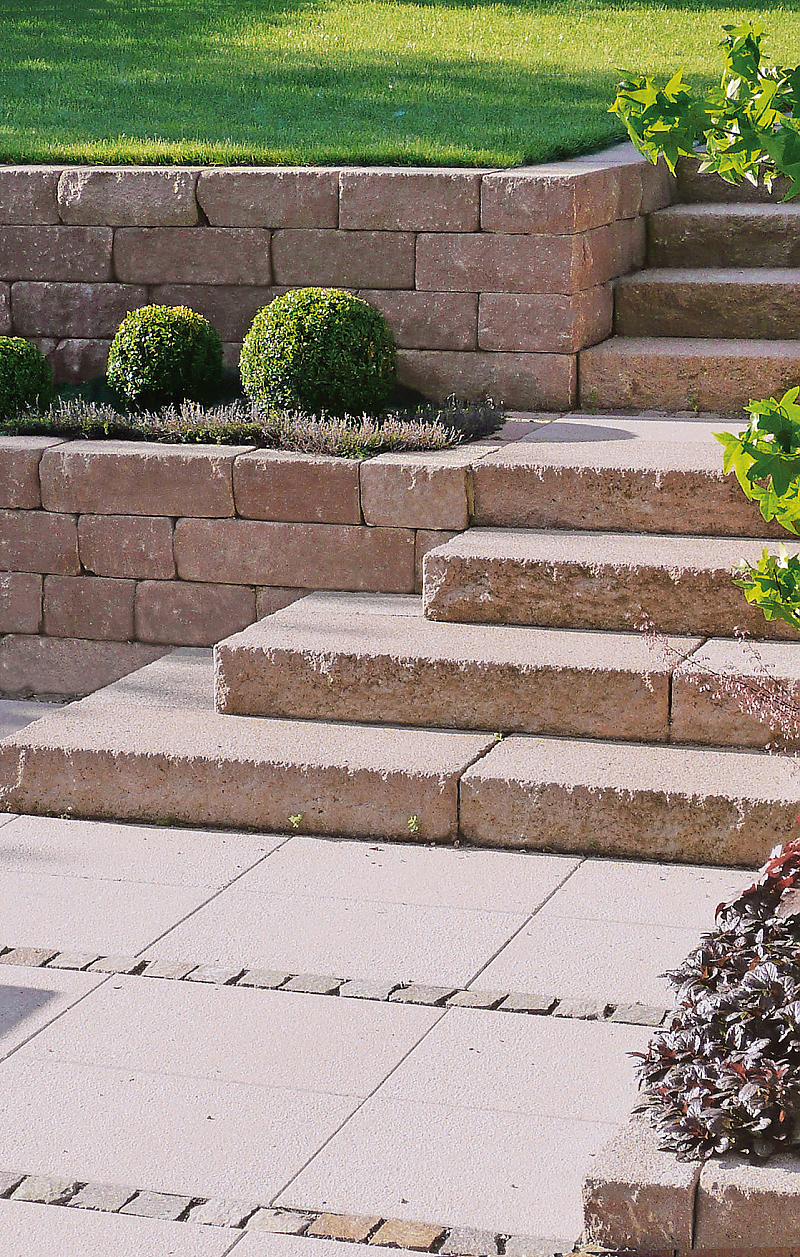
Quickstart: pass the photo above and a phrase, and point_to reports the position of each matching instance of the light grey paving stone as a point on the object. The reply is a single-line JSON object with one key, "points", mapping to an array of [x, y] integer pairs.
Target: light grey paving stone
{"points": [[313, 984], [174, 969], [524, 1003], [232, 1213], [35, 1230], [536, 1246], [30, 999], [419, 994], [360, 989], [218, 975], [103, 1196], [8, 1181], [638, 1015], [160, 1205], [45, 1191], [265, 979], [33, 957], [279, 1221], [468, 1242], [17, 714], [581, 1009], [73, 960], [476, 999], [116, 964]]}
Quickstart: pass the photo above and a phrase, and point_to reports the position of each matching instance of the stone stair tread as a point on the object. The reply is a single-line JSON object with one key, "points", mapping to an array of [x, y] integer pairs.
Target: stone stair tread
{"points": [[688, 346], [740, 276], [762, 303]]}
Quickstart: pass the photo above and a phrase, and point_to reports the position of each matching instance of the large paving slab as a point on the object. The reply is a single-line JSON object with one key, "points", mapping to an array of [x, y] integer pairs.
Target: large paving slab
{"points": [[599, 580], [326, 658], [738, 693], [30, 1230], [152, 748], [725, 807], [31, 998]]}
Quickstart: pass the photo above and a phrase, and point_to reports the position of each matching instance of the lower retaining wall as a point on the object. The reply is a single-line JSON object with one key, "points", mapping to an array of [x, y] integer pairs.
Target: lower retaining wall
{"points": [[492, 281]]}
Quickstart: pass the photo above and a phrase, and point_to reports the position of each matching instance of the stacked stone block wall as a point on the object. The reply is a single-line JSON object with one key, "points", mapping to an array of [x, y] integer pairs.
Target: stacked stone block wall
{"points": [[491, 280]]}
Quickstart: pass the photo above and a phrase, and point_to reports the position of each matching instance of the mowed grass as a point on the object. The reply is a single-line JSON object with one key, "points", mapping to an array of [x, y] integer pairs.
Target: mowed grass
{"points": [[323, 82]]}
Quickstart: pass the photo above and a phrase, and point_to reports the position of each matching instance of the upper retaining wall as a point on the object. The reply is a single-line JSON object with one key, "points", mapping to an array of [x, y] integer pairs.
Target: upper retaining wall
{"points": [[491, 280]]}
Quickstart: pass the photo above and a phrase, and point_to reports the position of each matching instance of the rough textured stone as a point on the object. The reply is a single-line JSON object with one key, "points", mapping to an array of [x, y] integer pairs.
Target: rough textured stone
{"points": [[540, 1005], [19, 470], [296, 487], [216, 975], [557, 198], [101, 1196], [8, 1181], [132, 478], [33, 957], [81, 254], [274, 598], [265, 979], [126, 546], [157, 1205], [77, 960], [428, 320], [430, 491], [45, 1191], [183, 613], [342, 1226], [67, 667], [761, 303], [313, 984], [111, 196], [20, 602], [724, 235], [5, 310], [542, 1246], [705, 704], [270, 197], [580, 1009], [635, 1196], [426, 539], [742, 1205], [343, 259], [279, 1221], [230, 309], [638, 1015], [38, 541], [418, 994], [465, 1242], [416, 1235], [83, 311], [409, 199], [169, 969], [475, 999], [694, 188], [116, 964], [89, 606], [310, 556], [28, 194], [547, 323], [360, 989], [76, 360], [232, 1213], [518, 381], [191, 255]]}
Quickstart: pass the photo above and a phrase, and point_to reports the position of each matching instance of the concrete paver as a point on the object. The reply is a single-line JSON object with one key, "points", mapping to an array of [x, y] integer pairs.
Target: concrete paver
{"points": [[28, 1230], [30, 998]]}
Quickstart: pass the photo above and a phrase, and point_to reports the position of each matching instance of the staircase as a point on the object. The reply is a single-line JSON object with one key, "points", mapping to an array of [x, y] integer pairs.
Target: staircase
{"points": [[714, 320], [515, 704]]}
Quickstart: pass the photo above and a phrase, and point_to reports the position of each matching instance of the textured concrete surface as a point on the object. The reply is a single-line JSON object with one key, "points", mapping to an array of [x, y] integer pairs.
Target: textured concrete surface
{"points": [[17, 714], [735, 693], [36, 1230]]}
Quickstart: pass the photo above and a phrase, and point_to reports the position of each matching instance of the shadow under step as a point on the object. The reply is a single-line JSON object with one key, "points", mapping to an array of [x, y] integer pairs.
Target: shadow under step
{"points": [[753, 304]]}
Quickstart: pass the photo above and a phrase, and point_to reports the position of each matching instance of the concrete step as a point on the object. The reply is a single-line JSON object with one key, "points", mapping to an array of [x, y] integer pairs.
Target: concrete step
{"points": [[612, 473], [735, 693], [674, 803], [759, 303], [696, 189], [679, 374], [152, 748], [373, 658], [724, 235], [595, 581]]}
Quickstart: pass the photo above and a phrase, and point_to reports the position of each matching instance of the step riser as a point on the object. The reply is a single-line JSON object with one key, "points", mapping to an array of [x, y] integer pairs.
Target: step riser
{"points": [[696, 189], [722, 240], [704, 712], [725, 311]]}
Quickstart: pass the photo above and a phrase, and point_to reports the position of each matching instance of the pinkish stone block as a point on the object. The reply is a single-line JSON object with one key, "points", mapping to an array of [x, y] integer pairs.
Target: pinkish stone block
{"points": [[114, 196], [270, 197], [408, 199], [545, 322], [427, 539], [67, 667], [20, 602], [428, 320], [191, 255], [126, 546], [19, 470], [28, 194], [274, 598], [82, 311], [38, 541], [230, 309], [306, 488], [76, 360], [88, 606], [80, 254], [553, 199], [418, 490], [517, 380], [344, 259], [181, 613], [5, 310]]}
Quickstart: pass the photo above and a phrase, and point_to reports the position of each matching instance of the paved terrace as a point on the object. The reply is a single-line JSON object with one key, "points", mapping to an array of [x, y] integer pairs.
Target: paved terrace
{"points": [[448, 1046]]}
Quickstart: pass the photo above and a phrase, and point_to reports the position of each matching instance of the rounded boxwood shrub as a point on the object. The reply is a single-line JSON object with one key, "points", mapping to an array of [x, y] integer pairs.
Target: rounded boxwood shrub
{"points": [[319, 349], [164, 354], [25, 376]]}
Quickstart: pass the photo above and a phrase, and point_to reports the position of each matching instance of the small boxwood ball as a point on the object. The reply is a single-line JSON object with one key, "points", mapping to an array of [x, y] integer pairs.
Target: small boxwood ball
{"points": [[164, 354], [318, 349], [25, 376]]}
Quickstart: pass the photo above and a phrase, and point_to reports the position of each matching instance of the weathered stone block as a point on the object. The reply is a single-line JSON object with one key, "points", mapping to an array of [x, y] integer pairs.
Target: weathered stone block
{"points": [[270, 197], [416, 1235], [306, 556], [339, 1226], [160, 1205], [554, 199], [80, 254], [545, 322], [116, 196], [428, 320], [125, 478], [428, 491], [5, 310], [82, 311], [426, 539], [190, 255], [28, 194], [408, 199], [185, 614], [76, 360], [88, 606], [344, 259], [67, 667], [20, 602], [19, 470], [102, 1196], [126, 545], [230, 309], [37, 541], [519, 381], [296, 487], [741, 1205]]}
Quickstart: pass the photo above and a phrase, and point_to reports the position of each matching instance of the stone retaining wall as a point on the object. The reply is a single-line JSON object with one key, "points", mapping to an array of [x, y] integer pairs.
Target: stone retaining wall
{"points": [[492, 280], [114, 552]]}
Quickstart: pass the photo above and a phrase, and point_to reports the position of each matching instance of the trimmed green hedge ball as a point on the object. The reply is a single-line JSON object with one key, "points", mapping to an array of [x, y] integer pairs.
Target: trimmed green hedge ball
{"points": [[25, 376], [318, 349], [164, 354]]}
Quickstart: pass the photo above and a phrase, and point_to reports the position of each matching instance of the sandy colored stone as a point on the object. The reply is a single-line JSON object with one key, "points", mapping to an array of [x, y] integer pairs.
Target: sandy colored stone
{"points": [[545, 323], [521, 381], [724, 235], [229, 308], [88, 606], [429, 491], [126, 545], [182, 613], [758, 303], [415, 1235], [192, 255], [20, 602], [66, 667], [595, 580], [344, 259], [557, 197], [281, 196], [609, 798], [82, 311], [38, 541], [341, 1226], [28, 194], [31, 956], [149, 196], [310, 556], [409, 199], [428, 320], [741, 1205], [705, 706], [19, 470], [296, 487], [74, 361], [426, 539], [139, 478], [81, 254]]}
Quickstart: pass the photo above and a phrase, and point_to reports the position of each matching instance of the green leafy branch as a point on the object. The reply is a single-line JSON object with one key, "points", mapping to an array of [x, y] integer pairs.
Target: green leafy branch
{"points": [[773, 584]]}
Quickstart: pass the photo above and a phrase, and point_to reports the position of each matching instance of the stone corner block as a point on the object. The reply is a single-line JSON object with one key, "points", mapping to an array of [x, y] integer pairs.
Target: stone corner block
{"points": [[430, 491], [745, 1205], [28, 195], [128, 197], [556, 199]]}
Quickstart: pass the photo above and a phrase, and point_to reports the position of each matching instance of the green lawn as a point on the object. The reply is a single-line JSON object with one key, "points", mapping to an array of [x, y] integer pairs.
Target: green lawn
{"points": [[435, 82]]}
